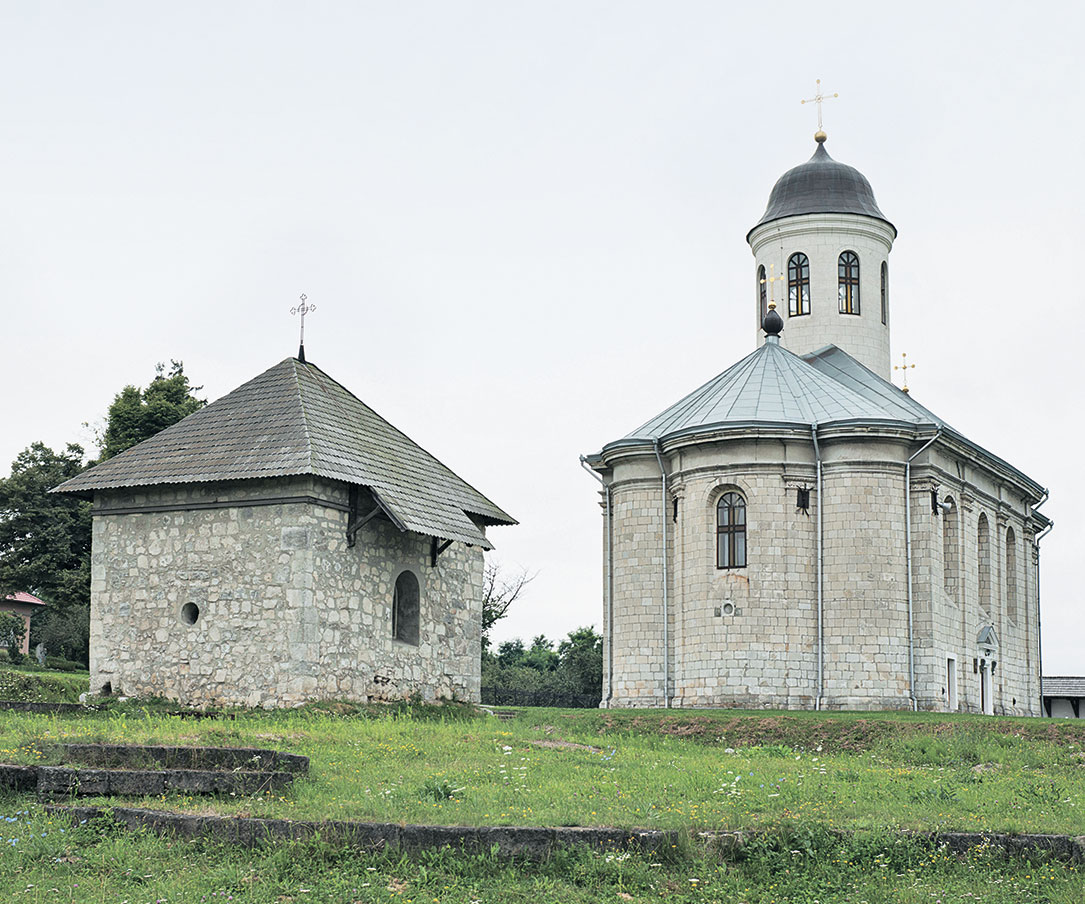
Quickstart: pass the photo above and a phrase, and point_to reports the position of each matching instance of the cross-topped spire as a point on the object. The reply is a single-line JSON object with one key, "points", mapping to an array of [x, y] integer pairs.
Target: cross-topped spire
{"points": [[903, 366], [302, 309], [819, 99]]}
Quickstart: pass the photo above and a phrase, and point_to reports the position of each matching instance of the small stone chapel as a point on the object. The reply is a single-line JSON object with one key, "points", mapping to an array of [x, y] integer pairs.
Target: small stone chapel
{"points": [[285, 544], [800, 533]]}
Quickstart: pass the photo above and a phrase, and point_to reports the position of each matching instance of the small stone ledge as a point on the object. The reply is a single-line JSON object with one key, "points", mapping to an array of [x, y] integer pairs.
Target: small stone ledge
{"points": [[83, 709], [531, 842], [194, 758], [114, 769], [63, 781]]}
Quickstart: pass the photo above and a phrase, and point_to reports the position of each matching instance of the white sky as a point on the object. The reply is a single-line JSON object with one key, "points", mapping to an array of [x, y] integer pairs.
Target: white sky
{"points": [[523, 224]]}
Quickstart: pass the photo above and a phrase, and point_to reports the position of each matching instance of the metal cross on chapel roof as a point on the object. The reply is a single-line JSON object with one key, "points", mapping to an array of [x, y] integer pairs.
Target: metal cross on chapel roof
{"points": [[903, 366], [302, 309], [819, 99], [772, 278]]}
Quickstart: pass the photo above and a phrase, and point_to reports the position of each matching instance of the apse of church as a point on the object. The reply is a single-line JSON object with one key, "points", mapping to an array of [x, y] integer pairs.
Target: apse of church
{"points": [[800, 533]]}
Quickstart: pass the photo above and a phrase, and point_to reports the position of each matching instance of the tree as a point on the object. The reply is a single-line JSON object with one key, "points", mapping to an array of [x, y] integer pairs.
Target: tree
{"points": [[12, 629], [498, 594], [44, 537], [136, 414], [582, 661]]}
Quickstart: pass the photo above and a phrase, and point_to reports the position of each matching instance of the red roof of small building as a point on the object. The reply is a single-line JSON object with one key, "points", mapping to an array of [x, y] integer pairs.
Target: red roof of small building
{"points": [[20, 596]]}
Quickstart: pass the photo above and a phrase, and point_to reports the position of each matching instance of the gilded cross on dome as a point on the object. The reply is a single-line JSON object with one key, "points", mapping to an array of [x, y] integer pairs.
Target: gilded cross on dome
{"points": [[819, 99], [903, 366]]}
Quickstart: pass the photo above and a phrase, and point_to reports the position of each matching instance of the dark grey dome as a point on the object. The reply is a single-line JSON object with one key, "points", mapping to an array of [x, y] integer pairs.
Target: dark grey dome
{"points": [[821, 185]]}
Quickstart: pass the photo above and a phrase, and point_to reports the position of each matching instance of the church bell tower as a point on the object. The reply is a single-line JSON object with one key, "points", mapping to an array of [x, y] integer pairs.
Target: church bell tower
{"points": [[822, 250]]}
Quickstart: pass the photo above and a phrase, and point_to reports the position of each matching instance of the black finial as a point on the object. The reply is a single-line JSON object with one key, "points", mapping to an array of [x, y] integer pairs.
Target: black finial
{"points": [[301, 353], [773, 322]]}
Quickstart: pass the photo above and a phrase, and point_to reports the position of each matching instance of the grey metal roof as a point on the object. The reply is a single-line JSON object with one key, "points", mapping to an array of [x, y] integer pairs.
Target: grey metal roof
{"points": [[294, 419], [821, 185], [1063, 686], [773, 386]]}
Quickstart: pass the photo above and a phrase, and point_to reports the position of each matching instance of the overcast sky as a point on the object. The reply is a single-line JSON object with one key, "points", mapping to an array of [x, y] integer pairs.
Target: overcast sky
{"points": [[522, 224]]}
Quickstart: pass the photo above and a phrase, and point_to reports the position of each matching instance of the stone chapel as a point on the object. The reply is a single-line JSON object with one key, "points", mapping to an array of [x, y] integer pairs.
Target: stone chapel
{"points": [[799, 533], [285, 544]]}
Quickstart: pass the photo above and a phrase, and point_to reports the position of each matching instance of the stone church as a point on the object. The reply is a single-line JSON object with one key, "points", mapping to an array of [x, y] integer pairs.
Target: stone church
{"points": [[284, 544], [798, 532]]}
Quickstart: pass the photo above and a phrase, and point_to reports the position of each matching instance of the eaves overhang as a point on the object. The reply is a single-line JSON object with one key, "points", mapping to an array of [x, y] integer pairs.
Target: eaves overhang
{"points": [[739, 430]]}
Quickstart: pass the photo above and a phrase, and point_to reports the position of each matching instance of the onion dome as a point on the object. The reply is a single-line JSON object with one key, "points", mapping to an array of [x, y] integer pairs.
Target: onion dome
{"points": [[821, 185]]}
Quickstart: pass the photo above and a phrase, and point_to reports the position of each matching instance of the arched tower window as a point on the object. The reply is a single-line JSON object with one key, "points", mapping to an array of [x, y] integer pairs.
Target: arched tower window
{"points": [[983, 554], [848, 281], [950, 550], [762, 292], [798, 285], [731, 531], [885, 292], [1011, 574], [405, 609]]}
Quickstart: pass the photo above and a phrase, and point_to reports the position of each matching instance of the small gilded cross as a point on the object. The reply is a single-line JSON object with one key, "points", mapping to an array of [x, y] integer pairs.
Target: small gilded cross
{"points": [[302, 309], [770, 280], [819, 99], [903, 366]]}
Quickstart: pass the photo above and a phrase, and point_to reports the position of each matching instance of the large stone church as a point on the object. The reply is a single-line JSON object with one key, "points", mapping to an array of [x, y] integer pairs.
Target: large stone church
{"points": [[800, 533]]}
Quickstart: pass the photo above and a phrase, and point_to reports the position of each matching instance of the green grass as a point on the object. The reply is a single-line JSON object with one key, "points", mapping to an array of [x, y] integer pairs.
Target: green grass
{"points": [[45, 860], [689, 771], [31, 684]]}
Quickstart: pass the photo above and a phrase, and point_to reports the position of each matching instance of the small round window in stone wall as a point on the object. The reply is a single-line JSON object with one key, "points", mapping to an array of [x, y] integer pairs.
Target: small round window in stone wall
{"points": [[190, 613], [728, 608]]}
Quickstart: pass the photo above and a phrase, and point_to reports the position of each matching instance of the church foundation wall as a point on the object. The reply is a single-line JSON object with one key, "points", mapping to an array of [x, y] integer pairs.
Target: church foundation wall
{"points": [[287, 612]]}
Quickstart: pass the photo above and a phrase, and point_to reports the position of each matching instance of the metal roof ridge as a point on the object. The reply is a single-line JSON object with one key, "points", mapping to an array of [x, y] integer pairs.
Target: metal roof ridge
{"points": [[692, 399]]}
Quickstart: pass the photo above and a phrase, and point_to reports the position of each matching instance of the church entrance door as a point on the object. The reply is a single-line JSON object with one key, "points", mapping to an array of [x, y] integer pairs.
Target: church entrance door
{"points": [[986, 703]]}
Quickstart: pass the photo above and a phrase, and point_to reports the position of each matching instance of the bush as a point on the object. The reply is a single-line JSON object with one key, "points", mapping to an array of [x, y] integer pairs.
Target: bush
{"points": [[60, 664]]}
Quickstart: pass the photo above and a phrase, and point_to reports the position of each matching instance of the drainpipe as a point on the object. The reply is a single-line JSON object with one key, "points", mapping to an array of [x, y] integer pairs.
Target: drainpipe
{"points": [[608, 589], [666, 608], [821, 578], [908, 555], [1039, 644]]}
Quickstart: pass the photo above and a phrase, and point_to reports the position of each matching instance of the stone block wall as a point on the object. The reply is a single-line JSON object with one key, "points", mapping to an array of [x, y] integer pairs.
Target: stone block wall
{"points": [[748, 636], [217, 594]]}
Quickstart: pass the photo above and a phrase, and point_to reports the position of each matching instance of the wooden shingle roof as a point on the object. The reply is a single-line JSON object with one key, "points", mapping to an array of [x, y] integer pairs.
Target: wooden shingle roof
{"points": [[293, 420]]}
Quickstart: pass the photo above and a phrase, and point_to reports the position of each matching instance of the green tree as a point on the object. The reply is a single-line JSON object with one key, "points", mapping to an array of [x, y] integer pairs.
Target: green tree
{"points": [[499, 592], [12, 629], [136, 414], [581, 657], [44, 537]]}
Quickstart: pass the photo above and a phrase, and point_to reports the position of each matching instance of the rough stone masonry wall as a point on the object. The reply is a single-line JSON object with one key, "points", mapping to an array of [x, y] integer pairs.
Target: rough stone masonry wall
{"points": [[287, 611]]}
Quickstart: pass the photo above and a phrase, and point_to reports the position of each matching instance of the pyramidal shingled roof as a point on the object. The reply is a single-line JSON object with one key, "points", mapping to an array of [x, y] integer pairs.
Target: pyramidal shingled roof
{"points": [[774, 387], [294, 419]]}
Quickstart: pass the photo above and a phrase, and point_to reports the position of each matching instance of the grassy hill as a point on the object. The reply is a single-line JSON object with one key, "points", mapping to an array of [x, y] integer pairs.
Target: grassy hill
{"points": [[797, 776]]}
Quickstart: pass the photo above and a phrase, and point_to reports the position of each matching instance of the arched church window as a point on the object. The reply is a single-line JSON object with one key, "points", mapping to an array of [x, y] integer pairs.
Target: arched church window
{"points": [[950, 550], [1011, 574], [798, 284], [405, 609], [762, 292], [848, 282], [731, 531], [885, 292], [983, 555]]}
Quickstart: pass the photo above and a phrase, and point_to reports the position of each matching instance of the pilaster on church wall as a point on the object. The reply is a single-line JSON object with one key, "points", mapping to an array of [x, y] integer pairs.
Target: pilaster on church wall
{"points": [[636, 503], [866, 626]]}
